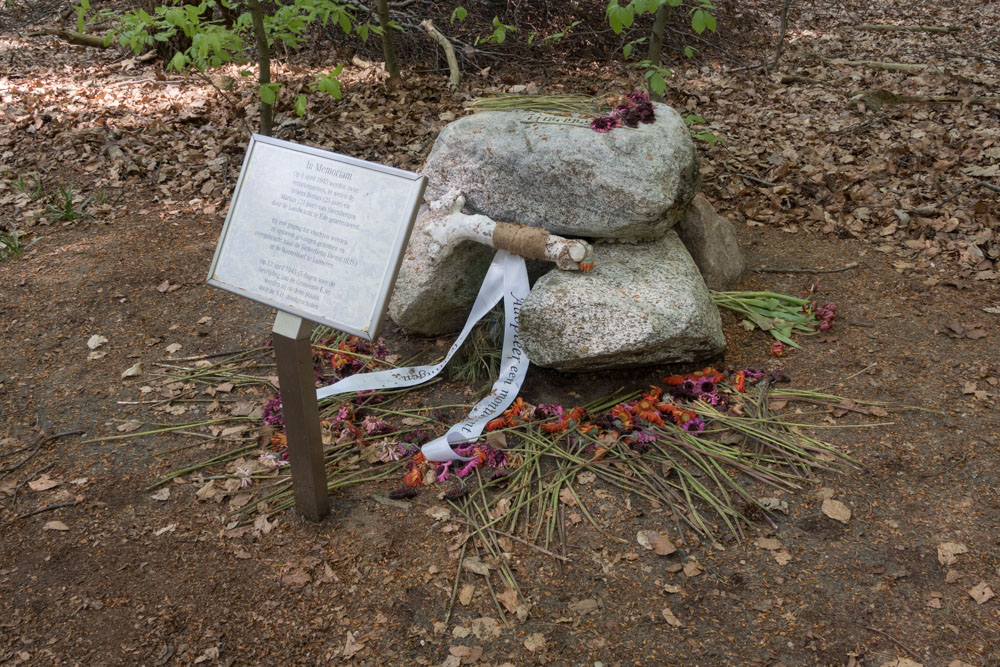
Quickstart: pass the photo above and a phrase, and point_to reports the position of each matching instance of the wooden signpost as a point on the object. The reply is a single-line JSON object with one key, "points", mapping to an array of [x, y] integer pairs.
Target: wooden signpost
{"points": [[319, 237]]}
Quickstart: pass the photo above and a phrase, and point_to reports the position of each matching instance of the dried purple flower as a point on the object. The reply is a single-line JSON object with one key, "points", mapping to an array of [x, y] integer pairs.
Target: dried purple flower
{"points": [[443, 471], [495, 458], [468, 468], [548, 410], [376, 426], [694, 426], [643, 437], [645, 112], [603, 124], [638, 97], [689, 388], [272, 415], [417, 437]]}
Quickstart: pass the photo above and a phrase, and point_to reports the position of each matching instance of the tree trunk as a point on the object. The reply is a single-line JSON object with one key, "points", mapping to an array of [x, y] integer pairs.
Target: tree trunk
{"points": [[656, 41], [263, 63], [388, 48]]}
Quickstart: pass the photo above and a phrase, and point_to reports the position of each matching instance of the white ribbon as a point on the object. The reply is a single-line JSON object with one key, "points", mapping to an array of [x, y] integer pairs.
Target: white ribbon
{"points": [[507, 279]]}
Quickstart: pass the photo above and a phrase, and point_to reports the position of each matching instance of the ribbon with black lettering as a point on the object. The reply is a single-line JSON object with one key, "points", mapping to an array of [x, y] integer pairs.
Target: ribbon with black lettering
{"points": [[507, 279]]}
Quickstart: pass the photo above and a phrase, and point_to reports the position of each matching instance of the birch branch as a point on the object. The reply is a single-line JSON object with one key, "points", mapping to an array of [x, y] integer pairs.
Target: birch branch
{"points": [[449, 52], [452, 226]]}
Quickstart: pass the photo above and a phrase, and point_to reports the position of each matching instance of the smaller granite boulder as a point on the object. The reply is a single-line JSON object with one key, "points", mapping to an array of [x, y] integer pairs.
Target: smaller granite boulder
{"points": [[711, 240], [643, 304], [437, 286]]}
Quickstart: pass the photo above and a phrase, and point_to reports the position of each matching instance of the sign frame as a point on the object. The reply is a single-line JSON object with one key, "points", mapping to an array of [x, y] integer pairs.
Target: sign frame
{"points": [[410, 205]]}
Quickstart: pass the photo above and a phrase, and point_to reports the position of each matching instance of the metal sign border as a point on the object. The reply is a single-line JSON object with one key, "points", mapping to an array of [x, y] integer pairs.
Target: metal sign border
{"points": [[370, 332]]}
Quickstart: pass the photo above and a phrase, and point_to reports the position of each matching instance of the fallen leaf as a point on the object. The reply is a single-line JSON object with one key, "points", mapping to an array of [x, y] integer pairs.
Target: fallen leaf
{"points": [[296, 579], [129, 426], [508, 598], [981, 592], [902, 662], [662, 545], [133, 371], [43, 483], [352, 646], [162, 494], [96, 354], [692, 568], [96, 341], [566, 496], [584, 607], [211, 653], [836, 510], [465, 595], [55, 525], [262, 526], [438, 513], [535, 642], [586, 477], [166, 529], [948, 552], [782, 557], [769, 543], [461, 631], [669, 617], [207, 492], [952, 576], [476, 566], [173, 347], [486, 627]]}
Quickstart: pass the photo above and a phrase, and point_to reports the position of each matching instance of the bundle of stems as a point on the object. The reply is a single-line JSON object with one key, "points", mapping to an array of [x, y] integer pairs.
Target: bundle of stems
{"points": [[778, 314], [560, 104]]}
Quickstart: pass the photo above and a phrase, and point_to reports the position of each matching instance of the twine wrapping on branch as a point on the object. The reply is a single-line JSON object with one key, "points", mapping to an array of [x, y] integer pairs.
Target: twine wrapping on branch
{"points": [[521, 240]]}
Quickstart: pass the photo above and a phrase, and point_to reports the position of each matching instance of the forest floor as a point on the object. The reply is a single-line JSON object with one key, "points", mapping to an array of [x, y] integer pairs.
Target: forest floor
{"points": [[885, 193]]}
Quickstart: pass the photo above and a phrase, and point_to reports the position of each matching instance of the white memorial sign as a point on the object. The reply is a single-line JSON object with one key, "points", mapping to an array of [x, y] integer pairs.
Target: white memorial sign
{"points": [[316, 234]]}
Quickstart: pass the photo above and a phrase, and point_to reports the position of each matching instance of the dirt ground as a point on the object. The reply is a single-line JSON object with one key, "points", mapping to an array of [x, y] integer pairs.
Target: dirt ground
{"points": [[126, 579]]}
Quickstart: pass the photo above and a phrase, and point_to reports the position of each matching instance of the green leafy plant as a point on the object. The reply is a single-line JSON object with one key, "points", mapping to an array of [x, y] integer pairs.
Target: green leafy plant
{"points": [[458, 14], [499, 34], [709, 137], [554, 37], [64, 208], [34, 192], [11, 244], [621, 18], [212, 42]]}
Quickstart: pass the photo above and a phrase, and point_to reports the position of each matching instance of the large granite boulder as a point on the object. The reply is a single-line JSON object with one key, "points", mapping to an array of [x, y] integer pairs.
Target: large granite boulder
{"points": [[524, 167], [711, 240], [642, 304]]}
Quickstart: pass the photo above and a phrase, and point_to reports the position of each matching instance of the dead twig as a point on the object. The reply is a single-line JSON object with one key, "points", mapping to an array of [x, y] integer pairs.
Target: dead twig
{"points": [[748, 177], [893, 640], [455, 75], [878, 27], [30, 477], [77, 38], [781, 37], [40, 510], [35, 449], [798, 78], [879, 64], [848, 267]]}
